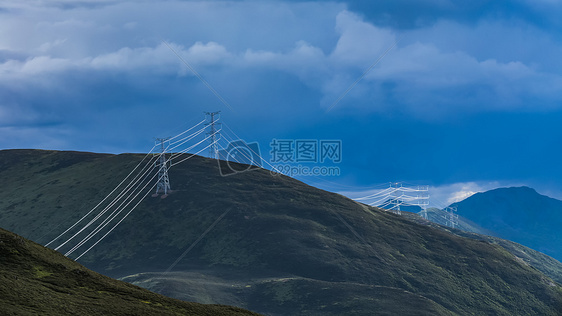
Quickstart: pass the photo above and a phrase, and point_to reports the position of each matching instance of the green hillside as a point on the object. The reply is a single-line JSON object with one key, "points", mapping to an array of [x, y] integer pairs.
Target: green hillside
{"points": [[35, 280], [282, 248], [538, 260]]}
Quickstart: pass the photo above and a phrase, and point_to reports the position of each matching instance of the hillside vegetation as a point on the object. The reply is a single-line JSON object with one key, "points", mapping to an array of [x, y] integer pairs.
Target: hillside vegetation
{"points": [[35, 280], [283, 247]]}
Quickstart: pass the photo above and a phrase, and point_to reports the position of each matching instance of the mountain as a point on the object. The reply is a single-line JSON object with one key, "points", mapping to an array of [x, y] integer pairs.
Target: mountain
{"points": [[270, 243], [519, 214], [538, 260], [35, 280]]}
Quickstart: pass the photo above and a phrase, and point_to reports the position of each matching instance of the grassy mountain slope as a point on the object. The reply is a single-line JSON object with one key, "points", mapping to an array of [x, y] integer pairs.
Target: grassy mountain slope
{"points": [[279, 247], [35, 280], [519, 214], [290, 295], [538, 260]]}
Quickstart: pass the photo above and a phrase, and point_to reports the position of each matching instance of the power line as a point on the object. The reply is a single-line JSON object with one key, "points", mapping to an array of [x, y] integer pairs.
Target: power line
{"points": [[127, 214], [398, 195], [101, 202], [123, 194], [131, 189]]}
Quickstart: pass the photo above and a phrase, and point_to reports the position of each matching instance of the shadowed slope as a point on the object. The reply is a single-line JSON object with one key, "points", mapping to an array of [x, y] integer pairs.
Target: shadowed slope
{"points": [[39, 281]]}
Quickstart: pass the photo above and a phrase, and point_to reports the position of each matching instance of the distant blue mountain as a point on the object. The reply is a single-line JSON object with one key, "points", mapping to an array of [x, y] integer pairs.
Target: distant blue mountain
{"points": [[519, 214]]}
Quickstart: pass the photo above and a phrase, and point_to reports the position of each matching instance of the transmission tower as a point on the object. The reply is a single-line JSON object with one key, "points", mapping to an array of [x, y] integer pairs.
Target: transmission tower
{"points": [[163, 185], [422, 199], [424, 213], [452, 219], [396, 197], [213, 133]]}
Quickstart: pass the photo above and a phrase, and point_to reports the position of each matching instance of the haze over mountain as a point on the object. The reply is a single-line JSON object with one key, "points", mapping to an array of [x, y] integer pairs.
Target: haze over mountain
{"points": [[270, 243], [442, 217], [519, 214]]}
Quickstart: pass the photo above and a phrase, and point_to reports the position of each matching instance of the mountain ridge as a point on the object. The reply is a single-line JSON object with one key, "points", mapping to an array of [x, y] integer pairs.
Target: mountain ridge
{"points": [[301, 240], [520, 214]]}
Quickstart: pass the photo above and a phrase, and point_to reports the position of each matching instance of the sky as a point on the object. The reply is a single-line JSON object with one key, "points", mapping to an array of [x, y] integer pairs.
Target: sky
{"points": [[463, 96]]}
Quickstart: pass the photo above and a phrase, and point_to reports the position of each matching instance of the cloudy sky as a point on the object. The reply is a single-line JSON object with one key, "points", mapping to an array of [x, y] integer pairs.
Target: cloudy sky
{"points": [[469, 97]]}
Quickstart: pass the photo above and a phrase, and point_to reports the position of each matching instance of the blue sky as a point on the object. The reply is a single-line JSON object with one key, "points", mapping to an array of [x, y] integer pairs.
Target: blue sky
{"points": [[468, 100]]}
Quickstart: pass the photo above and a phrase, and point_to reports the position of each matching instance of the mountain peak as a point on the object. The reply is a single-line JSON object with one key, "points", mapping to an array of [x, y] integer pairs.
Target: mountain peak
{"points": [[520, 214], [505, 191], [518, 189]]}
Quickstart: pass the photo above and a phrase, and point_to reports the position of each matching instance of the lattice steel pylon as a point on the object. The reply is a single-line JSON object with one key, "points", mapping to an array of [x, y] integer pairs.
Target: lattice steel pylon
{"points": [[422, 198], [213, 133], [396, 198], [163, 185], [452, 219], [424, 213]]}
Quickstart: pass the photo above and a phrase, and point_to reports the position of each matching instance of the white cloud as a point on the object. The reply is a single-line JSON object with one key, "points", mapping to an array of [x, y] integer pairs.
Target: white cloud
{"points": [[359, 43], [209, 53], [45, 64], [432, 68], [442, 196], [47, 46], [130, 59], [159, 59]]}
